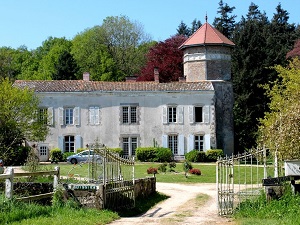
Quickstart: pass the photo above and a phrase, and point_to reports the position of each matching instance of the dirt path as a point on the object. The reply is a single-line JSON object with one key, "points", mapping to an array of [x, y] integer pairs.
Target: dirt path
{"points": [[181, 208]]}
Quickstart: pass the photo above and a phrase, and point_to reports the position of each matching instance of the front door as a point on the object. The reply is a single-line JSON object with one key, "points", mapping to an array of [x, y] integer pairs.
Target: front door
{"points": [[43, 152]]}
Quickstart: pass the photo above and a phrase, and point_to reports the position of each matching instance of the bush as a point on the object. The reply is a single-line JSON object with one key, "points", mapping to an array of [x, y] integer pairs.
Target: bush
{"points": [[195, 171], [172, 165], [116, 150], [66, 155], [152, 170], [56, 155], [163, 167], [195, 156], [187, 166], [163, 155], [146, 154], [80, 150], [213, 154]]}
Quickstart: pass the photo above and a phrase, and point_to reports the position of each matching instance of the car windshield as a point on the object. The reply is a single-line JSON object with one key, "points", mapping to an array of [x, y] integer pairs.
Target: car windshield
{"points": [[87, 153]]}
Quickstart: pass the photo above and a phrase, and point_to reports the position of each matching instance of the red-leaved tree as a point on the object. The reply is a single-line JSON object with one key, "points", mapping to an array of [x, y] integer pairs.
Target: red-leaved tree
{"points": [[167, 57], [295, 51]]}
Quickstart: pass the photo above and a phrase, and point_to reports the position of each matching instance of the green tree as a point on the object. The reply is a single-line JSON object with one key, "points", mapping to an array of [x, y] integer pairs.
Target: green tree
{"points": [[226, 22], [18, 118], [183, 30], [280, 128]]}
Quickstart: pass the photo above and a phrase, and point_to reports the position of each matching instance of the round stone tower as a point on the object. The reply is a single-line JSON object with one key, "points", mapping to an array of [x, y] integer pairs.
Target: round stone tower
{"points": [[207, 56]]}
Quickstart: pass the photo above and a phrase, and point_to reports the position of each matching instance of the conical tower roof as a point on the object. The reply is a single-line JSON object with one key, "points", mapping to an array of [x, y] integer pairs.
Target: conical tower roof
{"points": [[206, 35]]}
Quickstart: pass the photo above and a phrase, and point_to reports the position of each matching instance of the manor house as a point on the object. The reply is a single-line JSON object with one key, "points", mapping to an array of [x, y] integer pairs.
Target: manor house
{"points": [[193, 113]]}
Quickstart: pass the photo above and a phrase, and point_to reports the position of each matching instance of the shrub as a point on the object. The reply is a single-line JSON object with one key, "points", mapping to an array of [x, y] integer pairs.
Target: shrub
{"points": [[195, 156], [163, 154], [145, 154], [162, 167], [66, 155], [152, 170], [171, 166], [187, 166], [195, 171], [116, 150], [56, 155], [213, 154], [80, 150]]}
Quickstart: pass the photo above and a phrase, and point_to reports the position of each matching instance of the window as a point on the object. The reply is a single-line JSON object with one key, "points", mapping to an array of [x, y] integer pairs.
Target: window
{"points": [[129, 114], [172, 114], [199, 142], [94, 115], [69, 143], [129, 145], [69, 115], [173, 143], [198, 114], [43, 150], [43, 115]]}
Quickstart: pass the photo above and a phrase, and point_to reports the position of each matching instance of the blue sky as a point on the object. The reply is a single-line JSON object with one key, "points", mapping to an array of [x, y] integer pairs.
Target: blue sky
{"points": [[30, 22]]}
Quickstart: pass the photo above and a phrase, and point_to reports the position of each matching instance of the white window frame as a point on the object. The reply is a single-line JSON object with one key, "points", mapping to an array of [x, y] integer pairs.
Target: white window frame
{"points": [[173, 143], [205, 141], [73, 119], [199, 140], [172, 114], [129, 114], [69, 144], [129, 144], [205, 113]]}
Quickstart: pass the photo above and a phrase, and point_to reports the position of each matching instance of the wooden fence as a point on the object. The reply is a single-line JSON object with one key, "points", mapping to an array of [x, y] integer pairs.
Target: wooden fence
{"points": [[9, 176]]}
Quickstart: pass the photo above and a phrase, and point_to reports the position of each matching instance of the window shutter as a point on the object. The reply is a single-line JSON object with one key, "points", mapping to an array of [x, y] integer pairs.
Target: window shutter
{"points": [[207, 142], [180, 114], [97, 115], [191, 142], [180, 144], [206, 114], [61, 143], [165, 114], [91, 115], [191, 114], [77, 115], [50, 118], [78, 142], [61, 116], [165, 141]]}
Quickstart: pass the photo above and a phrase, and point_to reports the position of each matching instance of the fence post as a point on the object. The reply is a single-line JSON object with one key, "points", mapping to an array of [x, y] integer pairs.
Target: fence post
{"points": [[56, 178], [9, 183]]}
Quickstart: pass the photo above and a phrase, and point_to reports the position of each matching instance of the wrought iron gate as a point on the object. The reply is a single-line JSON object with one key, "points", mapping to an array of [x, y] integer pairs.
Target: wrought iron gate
{"points": [[240, 177], [116, 174]]}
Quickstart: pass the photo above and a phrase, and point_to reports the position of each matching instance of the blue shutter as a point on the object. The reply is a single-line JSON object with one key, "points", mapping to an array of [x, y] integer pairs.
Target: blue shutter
{"points": [[191, 142], [77, 115], [180, 144], [164, 114], [191, 114], [61, 116], [206, 114], [61, 143], [165, 141], [180, 114], [207, 142], [78, 142], [50, 115]]}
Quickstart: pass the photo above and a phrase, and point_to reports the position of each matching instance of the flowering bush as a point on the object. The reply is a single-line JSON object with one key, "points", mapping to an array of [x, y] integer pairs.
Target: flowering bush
{"points": [[195, 171], [152, 170]]}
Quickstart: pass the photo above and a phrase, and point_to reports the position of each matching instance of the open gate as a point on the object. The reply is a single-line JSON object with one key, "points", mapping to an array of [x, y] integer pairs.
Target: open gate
{"points": [[116, 173], [240, 177]]}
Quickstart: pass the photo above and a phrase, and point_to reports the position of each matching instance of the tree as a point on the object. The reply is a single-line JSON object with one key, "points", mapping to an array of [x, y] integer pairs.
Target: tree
{"points": [[186, 31], [18, 118], [167, 57], [122, 38], [196, 24], [280, 128], [225, 23], [295, 52]]}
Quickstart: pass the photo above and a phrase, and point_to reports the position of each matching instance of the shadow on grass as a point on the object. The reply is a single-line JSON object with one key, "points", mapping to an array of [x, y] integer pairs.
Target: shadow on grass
{"points": [[142, 205]]}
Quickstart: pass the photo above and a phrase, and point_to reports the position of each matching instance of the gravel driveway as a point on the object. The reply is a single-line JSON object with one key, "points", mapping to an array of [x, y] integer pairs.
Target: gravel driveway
{"points": [[181, 207]]}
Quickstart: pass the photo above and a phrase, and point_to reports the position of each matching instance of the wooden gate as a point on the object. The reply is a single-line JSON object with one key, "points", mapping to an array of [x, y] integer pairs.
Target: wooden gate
{"points": [[116, 174]]}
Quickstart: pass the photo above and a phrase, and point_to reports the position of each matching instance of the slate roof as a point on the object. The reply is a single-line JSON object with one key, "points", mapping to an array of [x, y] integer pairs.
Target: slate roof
{"points": [[102, 86], [206, 35]]}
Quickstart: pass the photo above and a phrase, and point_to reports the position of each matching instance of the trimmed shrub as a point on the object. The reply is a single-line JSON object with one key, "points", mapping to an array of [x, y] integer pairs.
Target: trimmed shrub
{"points": [[56, 155], [116, 150], [163, 155], [145, 154], [195, 171], [66, 155], [213, 154], [195, 156]]}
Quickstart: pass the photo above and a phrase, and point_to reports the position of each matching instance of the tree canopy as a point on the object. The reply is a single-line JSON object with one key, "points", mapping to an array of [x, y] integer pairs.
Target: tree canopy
{"points": [[18, 118], [280, 128]]}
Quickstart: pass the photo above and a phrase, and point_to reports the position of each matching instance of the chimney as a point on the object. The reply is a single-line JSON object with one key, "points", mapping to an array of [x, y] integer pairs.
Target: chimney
{"points": [[130, 79], [156, 75], [86, 76]]}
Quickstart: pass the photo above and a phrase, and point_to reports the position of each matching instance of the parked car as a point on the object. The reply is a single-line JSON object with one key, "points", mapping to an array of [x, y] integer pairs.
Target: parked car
{"points": [[1, 166], [84, 156]]}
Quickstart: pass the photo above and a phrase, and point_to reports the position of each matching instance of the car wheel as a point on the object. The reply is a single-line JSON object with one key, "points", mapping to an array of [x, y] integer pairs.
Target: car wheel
{"points": [[73, 161]]}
